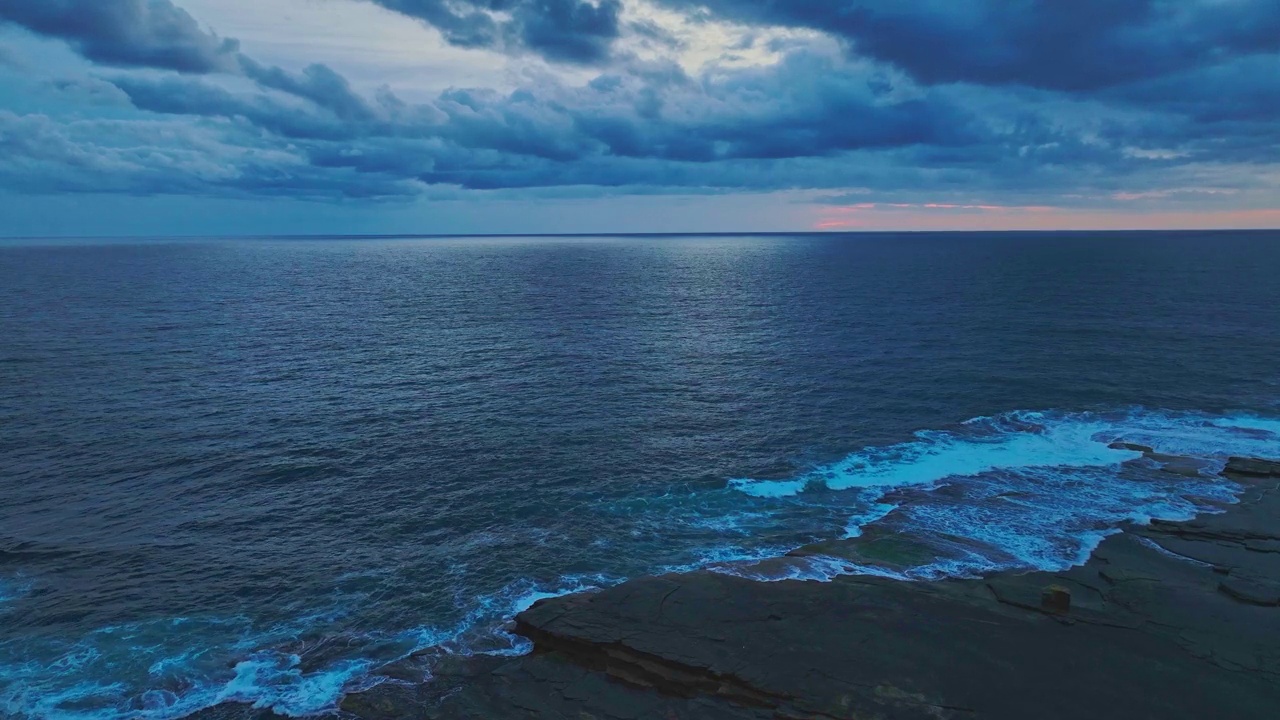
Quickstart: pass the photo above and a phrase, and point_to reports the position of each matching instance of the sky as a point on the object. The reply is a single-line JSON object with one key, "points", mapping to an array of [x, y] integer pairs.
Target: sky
{"points": [[241, 117]]}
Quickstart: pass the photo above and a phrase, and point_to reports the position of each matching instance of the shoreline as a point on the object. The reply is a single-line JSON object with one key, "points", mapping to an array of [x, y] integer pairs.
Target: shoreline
{"points": [[1070, 509], [1170, 618]]}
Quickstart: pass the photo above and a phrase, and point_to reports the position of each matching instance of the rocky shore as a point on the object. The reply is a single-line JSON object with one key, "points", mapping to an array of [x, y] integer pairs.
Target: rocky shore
{"points": [[1171, 620]]}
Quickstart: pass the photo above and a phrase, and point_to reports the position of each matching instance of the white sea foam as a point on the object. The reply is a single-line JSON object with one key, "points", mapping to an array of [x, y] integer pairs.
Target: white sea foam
{"points": [[87, 680], [1035, 490], [1025, 440], [1171, 554], [1251, 422], [878, 511], [771, 488], [267, 680], [816, 568], [273, 680], [263, 677], [569, 585], [824, 568]]}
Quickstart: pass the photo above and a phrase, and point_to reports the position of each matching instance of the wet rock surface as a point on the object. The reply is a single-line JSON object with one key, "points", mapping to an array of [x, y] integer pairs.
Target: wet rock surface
{"points": [[1253, 467], [1174, 620]]}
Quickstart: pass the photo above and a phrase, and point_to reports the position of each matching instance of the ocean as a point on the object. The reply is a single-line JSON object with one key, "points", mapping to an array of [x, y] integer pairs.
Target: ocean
{"points": [[259, 470]]}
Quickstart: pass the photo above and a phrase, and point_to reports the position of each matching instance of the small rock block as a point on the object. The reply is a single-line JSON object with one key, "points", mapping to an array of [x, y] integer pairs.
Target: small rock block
{"points": [[1056, 599], [1253, 467], [1133, 447]]}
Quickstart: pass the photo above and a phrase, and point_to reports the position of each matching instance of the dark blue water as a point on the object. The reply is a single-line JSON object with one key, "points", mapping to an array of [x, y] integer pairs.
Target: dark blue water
{"points": [[258, 470]]}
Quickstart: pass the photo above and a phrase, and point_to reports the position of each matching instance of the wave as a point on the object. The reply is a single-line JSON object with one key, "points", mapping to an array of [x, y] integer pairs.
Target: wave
{"points": [[1023, 440], [277, 667], [1023, 490], [1020, 491], [1250, 422]]}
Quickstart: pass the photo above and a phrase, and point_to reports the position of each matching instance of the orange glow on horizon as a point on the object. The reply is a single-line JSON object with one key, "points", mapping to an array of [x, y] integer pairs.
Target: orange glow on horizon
{"points": [[952, 216]]}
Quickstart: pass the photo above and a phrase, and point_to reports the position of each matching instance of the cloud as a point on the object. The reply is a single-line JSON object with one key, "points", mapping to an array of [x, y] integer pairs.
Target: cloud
{"points": [[568, 30], [1076, 46], [571, 31], [184, 96], [1244, 90], [804, 107], [812, 120], [126, 33], [90, 91], [10, 59], [44, 155], [50, 156], [918, 108], [317, 83]]}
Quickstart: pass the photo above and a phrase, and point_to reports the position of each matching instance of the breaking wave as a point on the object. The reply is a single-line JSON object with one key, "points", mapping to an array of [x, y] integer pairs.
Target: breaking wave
{"points": [[1025, 440], [1020, 491]]}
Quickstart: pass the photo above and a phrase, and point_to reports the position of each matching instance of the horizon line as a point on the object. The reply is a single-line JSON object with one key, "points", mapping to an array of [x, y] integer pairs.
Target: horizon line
{"points": [[708, 233]]}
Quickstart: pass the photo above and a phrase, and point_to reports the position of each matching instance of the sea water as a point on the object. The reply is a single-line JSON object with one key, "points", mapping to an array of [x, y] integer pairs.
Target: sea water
{"points": [[260, 470]]}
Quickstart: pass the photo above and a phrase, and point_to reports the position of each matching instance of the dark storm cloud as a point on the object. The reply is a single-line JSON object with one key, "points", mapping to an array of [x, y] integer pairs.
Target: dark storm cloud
{"points": [[464, 24], [126, 33], [1244, 89], [573, 31], [1080, 45], [568, 30]]}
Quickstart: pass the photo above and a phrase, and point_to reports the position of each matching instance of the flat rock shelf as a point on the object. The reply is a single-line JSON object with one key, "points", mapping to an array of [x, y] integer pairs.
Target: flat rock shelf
{"points": [[1171, 620]]}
